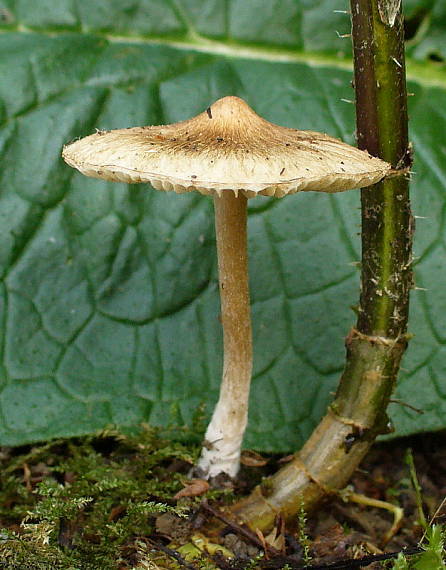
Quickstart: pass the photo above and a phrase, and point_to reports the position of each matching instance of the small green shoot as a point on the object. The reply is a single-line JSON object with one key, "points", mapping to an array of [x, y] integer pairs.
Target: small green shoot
{"points": [[433, 556], [417, 488], [401, 563], [433, 539], [304, 539]]}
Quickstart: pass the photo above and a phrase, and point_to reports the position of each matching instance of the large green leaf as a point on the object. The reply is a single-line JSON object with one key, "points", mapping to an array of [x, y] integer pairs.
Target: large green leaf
{"points": [[427, 23], [109, 299]]}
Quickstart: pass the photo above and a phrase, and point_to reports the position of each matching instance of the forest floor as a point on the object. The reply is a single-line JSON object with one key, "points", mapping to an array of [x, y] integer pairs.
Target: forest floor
{"points": [[114, 501]]}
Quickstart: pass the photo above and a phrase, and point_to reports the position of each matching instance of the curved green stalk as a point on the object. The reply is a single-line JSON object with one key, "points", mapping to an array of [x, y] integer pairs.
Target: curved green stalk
{"points": [[375, 347]]}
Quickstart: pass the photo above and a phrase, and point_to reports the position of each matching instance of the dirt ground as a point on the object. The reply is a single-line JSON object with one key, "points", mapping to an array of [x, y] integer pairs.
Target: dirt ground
{"points": [[342, 534], [384, 475]]}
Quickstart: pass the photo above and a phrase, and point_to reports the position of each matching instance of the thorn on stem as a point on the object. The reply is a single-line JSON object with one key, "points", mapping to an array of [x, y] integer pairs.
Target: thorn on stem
{"points": [[343, 36]]}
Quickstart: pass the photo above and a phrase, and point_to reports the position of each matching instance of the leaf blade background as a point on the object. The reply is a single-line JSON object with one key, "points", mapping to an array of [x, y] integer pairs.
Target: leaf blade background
{"points": [[109, 297]]}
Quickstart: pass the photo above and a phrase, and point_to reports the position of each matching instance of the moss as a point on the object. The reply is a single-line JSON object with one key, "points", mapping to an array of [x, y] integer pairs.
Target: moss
{"points": [[86, 502]]}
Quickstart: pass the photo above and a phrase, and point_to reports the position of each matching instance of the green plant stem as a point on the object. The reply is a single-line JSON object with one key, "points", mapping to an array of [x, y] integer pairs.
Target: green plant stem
{"points": [[381, 117], [375, 347]]}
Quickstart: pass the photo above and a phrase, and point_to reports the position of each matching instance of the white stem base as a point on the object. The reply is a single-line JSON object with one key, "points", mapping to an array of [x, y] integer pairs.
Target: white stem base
{"points": [[223, 439]]}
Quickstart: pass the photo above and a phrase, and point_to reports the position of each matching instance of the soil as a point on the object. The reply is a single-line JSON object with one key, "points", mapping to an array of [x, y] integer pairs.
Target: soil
{"points": [[385, 475], [341, 534]]}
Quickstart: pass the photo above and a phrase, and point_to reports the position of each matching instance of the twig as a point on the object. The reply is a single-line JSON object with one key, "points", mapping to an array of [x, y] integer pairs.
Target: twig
{"points": [[246, 533], [339, 565]]}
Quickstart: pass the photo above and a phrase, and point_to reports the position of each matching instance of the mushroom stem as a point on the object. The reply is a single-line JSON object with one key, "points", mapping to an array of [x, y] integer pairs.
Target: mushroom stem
{"points": [[224, 435]]}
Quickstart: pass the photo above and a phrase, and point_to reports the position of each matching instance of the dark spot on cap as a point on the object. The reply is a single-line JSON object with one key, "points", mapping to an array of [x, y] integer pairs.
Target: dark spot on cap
{"points": [[220, 139], [209, 112], [6, 16], [282, 171], [193, 176]]}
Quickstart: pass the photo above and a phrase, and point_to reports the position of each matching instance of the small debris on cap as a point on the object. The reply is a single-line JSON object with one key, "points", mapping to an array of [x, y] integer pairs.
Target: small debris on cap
{"points": [[253, 158]]}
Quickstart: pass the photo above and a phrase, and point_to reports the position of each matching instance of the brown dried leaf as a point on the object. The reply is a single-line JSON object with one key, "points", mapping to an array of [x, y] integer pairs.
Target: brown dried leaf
{"points": [[262, 539], [286, 459], [276, 538], [116, 512], [252, 459], [193, 488]]}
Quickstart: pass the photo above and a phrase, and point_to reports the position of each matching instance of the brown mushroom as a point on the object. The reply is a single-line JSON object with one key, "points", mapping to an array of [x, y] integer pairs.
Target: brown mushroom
{"points": [[227, 151]]}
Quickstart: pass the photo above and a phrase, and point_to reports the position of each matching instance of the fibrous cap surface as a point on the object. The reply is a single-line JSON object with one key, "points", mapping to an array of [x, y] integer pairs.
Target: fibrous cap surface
{"points": [[228, 147]]}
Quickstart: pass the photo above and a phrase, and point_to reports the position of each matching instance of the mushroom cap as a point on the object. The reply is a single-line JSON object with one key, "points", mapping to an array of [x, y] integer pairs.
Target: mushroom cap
{"points": [[228, 147]]}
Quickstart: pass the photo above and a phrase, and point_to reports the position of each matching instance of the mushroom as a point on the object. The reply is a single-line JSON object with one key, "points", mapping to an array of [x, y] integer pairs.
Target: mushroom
{"points": [[231, 153]]}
